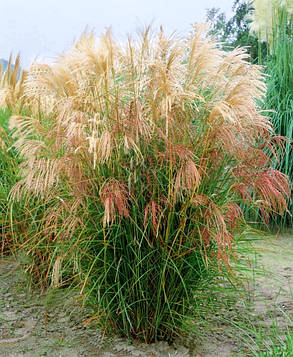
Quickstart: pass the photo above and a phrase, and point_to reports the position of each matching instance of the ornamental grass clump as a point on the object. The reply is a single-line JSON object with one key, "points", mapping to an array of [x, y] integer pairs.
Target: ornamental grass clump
{"points": [[142, 155]]}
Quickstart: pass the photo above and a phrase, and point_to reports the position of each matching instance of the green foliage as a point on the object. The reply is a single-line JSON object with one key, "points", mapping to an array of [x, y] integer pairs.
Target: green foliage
{"points": [[279, 98], [271, 342], [279, 348], [8, 177], [144, 292]]}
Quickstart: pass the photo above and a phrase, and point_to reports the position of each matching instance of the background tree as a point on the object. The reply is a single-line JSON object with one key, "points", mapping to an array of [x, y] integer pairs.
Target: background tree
{"points": [[234, 32]]}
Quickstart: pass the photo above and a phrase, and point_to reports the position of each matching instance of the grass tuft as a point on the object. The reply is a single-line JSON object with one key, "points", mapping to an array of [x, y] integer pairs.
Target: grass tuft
{"points": [[138, 158]]}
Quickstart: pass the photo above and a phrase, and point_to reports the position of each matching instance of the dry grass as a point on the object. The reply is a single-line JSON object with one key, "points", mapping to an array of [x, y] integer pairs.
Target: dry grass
{"points": [[11, 87]]}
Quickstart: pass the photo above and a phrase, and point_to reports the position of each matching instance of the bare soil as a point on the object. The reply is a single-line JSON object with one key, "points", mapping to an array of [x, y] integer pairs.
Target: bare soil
{"points": [[33, 324]]}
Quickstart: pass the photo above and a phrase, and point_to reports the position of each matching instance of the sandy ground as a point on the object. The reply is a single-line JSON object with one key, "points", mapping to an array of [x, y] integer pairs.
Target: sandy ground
{"points": [[33, 325]]}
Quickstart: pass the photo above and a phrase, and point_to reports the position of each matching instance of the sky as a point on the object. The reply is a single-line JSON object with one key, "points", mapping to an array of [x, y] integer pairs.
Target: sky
{"points": [[42, 29]]}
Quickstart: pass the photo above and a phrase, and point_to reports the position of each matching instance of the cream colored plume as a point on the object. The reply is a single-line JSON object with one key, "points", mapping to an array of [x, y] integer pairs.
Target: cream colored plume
{"points": [[265, 15], [11, 85]]}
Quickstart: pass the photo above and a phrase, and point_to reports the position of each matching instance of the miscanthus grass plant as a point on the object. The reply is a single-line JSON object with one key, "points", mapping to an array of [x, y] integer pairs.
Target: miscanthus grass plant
{"points": [[142, 155]]}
